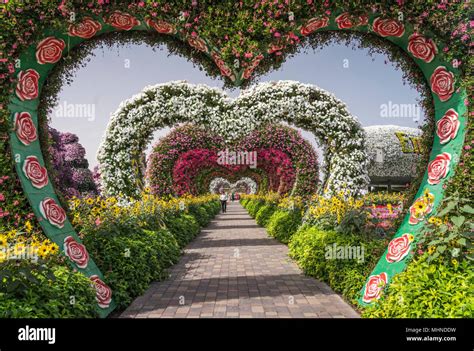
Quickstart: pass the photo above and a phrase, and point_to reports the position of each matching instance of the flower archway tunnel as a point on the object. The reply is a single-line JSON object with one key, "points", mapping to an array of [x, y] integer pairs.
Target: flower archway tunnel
{"points": [[26, 61]]}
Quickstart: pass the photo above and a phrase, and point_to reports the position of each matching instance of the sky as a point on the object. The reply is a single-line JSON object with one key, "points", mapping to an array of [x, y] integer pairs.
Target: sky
{"points": [[369, 87]]}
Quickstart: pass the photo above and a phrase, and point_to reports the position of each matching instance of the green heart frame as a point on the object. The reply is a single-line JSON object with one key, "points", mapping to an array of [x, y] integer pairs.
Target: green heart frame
{"points": [[38, 60]]}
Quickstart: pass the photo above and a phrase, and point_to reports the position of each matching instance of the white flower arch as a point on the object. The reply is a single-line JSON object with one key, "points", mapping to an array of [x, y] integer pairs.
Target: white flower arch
{"points": [[306, 106], [219, 182]]}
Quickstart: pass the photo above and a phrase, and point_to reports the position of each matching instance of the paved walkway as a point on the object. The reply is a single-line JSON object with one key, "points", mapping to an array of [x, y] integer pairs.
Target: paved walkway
{"points": [[233, 269]]}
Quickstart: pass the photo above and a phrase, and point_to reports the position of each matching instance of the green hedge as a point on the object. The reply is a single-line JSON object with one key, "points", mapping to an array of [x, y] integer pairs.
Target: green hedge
{"points": [[312, 247], [428, 290], [130, 261], [283, 224], [45, 290], [264, 214], [183, 226], [254, 206]]}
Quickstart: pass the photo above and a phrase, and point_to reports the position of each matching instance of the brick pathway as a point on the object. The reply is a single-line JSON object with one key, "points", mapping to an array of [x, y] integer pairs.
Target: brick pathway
{"points": [[233, 269]]}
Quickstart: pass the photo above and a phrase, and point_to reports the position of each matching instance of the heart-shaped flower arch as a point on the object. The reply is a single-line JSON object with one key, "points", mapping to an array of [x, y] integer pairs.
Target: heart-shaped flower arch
{"points": [[222, 183], [302, 105], [38, 60]]}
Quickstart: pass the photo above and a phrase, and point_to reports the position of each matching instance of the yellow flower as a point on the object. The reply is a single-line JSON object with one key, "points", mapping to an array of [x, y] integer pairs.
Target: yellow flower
{"points": [[28, 227], [3, 240], [53, 248], [454, 262], [43, 251], [431, 249], [89, 201]]}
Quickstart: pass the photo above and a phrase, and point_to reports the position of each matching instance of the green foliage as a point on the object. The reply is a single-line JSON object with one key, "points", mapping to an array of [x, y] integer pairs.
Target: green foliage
{"points": [[428, 290], [353, 222], [283, 224], [264, 214], [183, 226], [450, 239], [254, 206], [130, 261], [201, 215], [315, 251], [45, 290]]}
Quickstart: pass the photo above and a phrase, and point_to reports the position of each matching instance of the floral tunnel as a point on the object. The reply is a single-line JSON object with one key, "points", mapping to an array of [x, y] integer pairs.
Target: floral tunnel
{"points": [[183, 160], [427, 42]]}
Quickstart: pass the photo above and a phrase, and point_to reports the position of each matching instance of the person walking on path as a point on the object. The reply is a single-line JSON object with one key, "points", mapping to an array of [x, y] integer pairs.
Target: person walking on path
{"points": [[232, 197], [223, 199]]}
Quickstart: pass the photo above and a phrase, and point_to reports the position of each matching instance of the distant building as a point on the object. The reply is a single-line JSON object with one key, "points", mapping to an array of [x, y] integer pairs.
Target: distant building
{"points": [[394, 153]]}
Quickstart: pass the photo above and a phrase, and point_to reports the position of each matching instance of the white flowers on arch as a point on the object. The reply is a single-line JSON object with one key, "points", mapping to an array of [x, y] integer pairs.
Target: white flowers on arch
{"points": [[306, 106], [218, 183]]}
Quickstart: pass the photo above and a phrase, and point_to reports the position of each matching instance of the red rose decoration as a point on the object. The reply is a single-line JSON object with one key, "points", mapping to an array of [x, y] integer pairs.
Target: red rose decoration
{"points": [[438, 168], [448, 126], [442, 83], [274, 48], [387, 27], [49, 50], [103, 293], [86, 29], [27, 86], [25, 128], [198, 44], [374, 287], [248, 71], [313, 25], [398, 248], [51, 211], [37, 174], [122, 20], [76, 252], [421, 47], [344, 21], [363, 20], [161, 26], [225, 70]]}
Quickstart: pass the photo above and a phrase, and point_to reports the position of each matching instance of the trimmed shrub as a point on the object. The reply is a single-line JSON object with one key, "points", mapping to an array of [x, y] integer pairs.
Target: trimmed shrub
{"points": [[183, 226], [264, 214], [283, 224], [254, 207], [30, 290], [201, 215], [343, 261], [131, 261], [428, 290]]}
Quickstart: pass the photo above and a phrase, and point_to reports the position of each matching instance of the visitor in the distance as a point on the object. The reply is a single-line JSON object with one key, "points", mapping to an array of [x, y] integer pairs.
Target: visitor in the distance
{"points": [[223, 199]]}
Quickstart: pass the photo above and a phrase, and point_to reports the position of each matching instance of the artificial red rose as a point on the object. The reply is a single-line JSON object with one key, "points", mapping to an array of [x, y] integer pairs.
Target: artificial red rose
{"points": [[25, 128], [225, 70], [387, 27], [37, 174], [344, 21], [313, 25], [27, 86], [76, 252], [122, 20], [442, 83], [103, 293], [363, 20], [198, 44], [398, 248], [274, 48], [248, 71], [51, 211], [447, 127], [85, 29], [49, 50], [438, 168], [374, 287], [161, 26], [421, 47]]}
